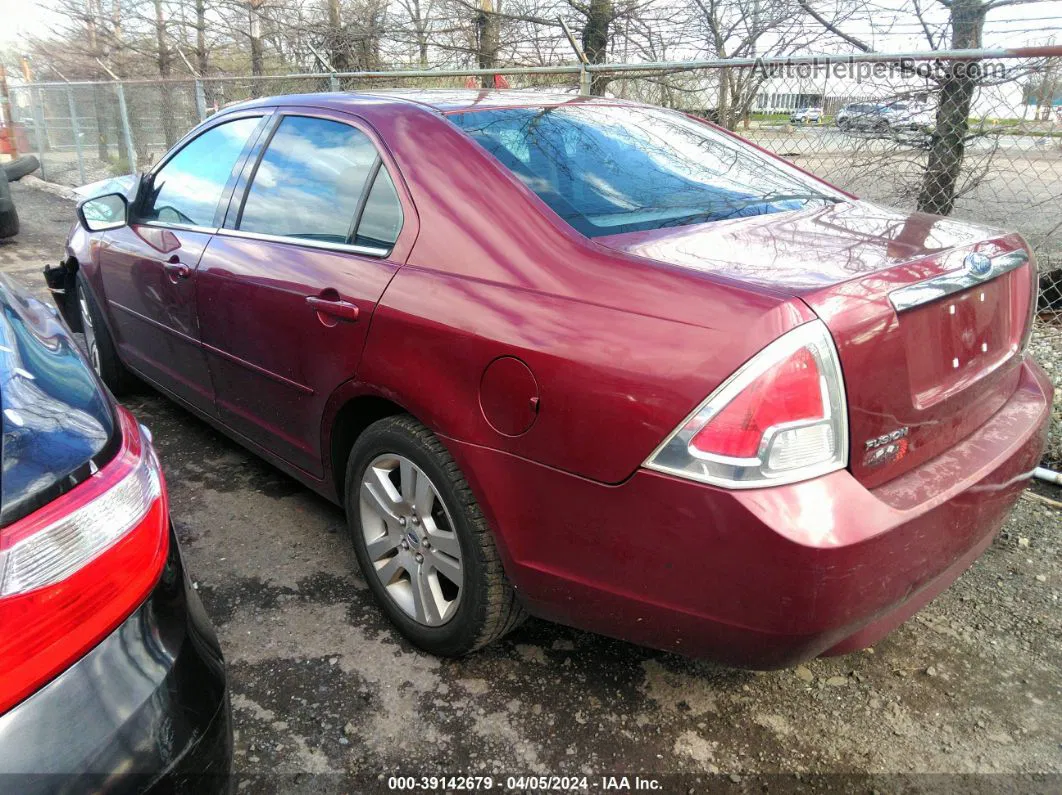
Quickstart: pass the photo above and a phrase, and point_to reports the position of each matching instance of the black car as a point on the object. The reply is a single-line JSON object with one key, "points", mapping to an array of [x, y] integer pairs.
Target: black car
{"points": [[111, 677]]}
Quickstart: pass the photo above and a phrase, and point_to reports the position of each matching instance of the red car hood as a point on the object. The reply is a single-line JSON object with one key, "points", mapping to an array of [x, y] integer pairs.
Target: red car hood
{"points": [[935, 372]]}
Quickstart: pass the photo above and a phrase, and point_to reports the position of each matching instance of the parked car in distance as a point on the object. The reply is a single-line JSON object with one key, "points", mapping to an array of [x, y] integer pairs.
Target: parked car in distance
{"points": [[111, 678], [810, 115], [592, 360], [897, 116]]}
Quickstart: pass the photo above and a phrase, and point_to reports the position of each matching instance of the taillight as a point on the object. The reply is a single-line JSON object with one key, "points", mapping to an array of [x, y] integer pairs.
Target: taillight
{"points": [[779, 419], [1034, 298], [75, 569]]}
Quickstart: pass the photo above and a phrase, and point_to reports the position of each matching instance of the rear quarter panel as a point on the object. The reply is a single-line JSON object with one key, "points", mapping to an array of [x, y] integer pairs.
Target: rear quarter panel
{"points": [[612, 383], [622, 349]]}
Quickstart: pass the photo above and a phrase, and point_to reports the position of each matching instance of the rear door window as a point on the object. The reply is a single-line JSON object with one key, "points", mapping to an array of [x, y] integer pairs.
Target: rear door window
{"points": [[310, 182], [381, 219]]}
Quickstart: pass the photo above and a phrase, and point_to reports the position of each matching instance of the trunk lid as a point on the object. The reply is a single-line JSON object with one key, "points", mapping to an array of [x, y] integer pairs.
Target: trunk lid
{"points": [[57, 424], [929, 348]]}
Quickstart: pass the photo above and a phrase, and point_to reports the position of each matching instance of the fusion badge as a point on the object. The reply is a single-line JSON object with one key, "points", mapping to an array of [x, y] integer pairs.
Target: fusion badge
{"points": [[887, 448]]}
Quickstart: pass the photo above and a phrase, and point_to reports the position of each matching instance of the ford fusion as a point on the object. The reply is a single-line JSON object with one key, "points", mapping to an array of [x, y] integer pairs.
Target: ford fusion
{"points": [[111, 678], [589, 360]]}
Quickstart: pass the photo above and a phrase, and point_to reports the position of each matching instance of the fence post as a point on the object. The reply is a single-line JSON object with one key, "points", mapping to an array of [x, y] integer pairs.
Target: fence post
{"points": [[584, 75], [37, 98], [200, 100], [127, 131], [76, 132], [333, 82]]}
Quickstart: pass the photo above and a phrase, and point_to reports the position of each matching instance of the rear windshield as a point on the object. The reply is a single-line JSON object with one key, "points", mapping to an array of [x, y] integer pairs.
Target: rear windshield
{"points": [[612, 169]]}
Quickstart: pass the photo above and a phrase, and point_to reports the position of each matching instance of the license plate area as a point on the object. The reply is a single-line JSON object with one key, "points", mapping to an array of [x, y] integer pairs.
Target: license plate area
{"points": [[958, 339]]}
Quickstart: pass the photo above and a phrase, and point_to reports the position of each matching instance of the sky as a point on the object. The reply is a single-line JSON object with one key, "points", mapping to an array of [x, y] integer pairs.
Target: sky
{"points": [[22, 18], [1011, 26]]}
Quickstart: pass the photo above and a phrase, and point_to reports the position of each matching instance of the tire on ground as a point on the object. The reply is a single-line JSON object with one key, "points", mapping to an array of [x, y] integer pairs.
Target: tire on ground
{"points": [[17, 169], [107, 364], [488, 607]]}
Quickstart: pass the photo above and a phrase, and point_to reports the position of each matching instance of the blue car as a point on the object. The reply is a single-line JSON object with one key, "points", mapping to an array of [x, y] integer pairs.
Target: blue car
{"points": [[111, 677]]}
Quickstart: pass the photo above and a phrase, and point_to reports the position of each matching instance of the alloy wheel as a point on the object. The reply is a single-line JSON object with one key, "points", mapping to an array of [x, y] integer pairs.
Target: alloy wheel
{"points": [[410, 539], [90, 332]]}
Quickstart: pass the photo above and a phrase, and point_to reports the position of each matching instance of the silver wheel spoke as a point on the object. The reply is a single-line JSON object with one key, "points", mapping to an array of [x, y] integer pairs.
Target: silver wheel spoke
{"points": [[408, 536], [407, 478], [447, 566], [424, 606], [377, 490], [423, 495], [381, 546], [388, 570], [446, 542], [90, 332]]}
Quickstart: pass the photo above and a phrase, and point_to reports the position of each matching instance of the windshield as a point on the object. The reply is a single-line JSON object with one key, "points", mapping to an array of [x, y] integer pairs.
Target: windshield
{"points": [[611, 169]]}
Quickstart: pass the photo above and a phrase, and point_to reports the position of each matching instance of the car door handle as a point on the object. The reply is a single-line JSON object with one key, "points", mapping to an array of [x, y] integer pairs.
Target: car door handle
{"points": [[334, 307], [176, 269]]}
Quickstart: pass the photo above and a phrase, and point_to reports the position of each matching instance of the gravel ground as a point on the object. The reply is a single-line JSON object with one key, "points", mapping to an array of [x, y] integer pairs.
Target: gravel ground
{"points": [[321, 685], [1046, 346]]}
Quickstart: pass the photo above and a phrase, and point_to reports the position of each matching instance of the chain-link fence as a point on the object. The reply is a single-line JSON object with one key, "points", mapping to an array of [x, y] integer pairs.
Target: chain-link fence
{"points": [[975, 137], [971, 134]]}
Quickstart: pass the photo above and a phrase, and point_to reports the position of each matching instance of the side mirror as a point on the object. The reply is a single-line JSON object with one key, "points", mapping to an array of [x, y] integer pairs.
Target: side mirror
{"points": [[103, 212]]}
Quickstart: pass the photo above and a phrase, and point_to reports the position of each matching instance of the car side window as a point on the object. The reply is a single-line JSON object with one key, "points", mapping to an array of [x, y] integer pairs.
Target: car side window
{"points": [[381, 220], [310, 180], [189, 187]]}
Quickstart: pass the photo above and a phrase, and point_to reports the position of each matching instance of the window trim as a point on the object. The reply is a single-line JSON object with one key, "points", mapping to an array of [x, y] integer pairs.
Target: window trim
{"points": [[263, 116], [251, 170], [363, 200], [367, 251]]}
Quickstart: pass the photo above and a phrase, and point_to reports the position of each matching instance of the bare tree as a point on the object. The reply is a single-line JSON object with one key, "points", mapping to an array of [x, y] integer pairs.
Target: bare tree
{"points": [[202, 54], [163, 58], [956, 84], [734, 29], [335, 36], [255, 32], [418, 15]]}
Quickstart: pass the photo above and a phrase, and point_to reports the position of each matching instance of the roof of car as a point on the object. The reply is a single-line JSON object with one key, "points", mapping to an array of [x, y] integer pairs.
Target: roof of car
{"points": [[439, 100]]}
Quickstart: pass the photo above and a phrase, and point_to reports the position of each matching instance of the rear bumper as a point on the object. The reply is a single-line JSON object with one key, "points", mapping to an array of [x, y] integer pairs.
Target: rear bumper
{"points": [[147, 709], [764, 577]]}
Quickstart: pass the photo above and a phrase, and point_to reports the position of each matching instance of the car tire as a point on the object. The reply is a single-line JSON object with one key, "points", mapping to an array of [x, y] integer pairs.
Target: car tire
{"points": [[407, 576], [102, 353], [8, 215], [17, 169]]}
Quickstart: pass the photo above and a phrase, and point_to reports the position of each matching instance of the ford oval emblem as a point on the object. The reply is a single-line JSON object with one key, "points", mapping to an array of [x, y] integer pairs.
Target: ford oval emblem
{"points": [[978, 265]]}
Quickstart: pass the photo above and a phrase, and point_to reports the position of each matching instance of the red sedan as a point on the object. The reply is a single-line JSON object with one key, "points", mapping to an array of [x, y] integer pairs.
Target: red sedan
{"points": [[580, 358]]}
